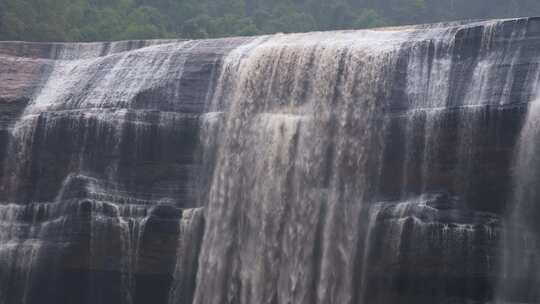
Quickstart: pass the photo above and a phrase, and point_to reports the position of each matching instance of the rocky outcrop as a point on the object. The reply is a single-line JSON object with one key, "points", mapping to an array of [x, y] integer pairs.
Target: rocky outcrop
{"points": [[367, 166], [95, 196]]}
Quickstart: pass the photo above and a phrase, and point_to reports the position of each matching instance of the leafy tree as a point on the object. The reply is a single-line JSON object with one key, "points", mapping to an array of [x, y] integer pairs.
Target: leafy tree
{"points": [[90, 20], [368, 18]]}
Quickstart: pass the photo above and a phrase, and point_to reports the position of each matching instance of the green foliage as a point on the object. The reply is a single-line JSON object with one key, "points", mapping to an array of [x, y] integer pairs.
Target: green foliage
{"points": [[368, 18], [92, 20]]}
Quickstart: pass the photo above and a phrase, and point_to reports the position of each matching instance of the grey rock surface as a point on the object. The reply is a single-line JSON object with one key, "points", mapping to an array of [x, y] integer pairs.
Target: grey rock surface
{"points": [[363, 167]]}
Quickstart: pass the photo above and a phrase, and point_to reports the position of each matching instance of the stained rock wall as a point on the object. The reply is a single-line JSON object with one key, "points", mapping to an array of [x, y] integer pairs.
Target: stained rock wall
{"points": [[372, 166]]}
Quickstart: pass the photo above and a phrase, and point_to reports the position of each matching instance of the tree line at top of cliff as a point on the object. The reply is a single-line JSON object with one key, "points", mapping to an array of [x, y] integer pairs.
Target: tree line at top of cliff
{"points": [[102, 20]]}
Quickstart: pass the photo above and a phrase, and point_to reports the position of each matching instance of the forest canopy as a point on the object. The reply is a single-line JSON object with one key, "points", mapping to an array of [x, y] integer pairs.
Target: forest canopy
{"points": [[101, 20]]}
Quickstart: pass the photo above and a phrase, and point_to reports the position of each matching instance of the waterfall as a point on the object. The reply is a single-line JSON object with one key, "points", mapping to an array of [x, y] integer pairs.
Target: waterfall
{"points": [[284, 193], [97, 166], [185, 272], [304, 113], [520, 267], [376, 166]]}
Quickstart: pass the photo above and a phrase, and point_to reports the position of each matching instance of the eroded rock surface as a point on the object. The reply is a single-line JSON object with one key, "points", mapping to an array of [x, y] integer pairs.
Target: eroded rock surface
{"points": [[370, 167]]}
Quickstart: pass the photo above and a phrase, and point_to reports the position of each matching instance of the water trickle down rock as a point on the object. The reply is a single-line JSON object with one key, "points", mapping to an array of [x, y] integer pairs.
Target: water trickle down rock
{"points": [[341, 167]]}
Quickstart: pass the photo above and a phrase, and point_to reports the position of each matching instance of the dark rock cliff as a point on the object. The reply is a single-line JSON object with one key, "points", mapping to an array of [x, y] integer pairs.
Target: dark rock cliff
{"points": [[339, 167]]}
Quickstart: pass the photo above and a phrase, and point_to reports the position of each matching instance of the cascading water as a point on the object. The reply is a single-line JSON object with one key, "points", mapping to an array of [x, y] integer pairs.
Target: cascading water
{"points": [[520, 268], [102, 156], [290, 174], [336, 167], [289, 216], [190, 237]]}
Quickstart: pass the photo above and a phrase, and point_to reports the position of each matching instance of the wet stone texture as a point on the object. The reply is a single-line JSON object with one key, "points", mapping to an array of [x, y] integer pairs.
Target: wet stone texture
{"points": [[364, 167]]}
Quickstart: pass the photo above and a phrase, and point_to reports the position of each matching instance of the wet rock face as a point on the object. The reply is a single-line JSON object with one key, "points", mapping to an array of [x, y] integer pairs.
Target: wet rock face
{"points": [[343, 167], [99, 158], [441, 249]]}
